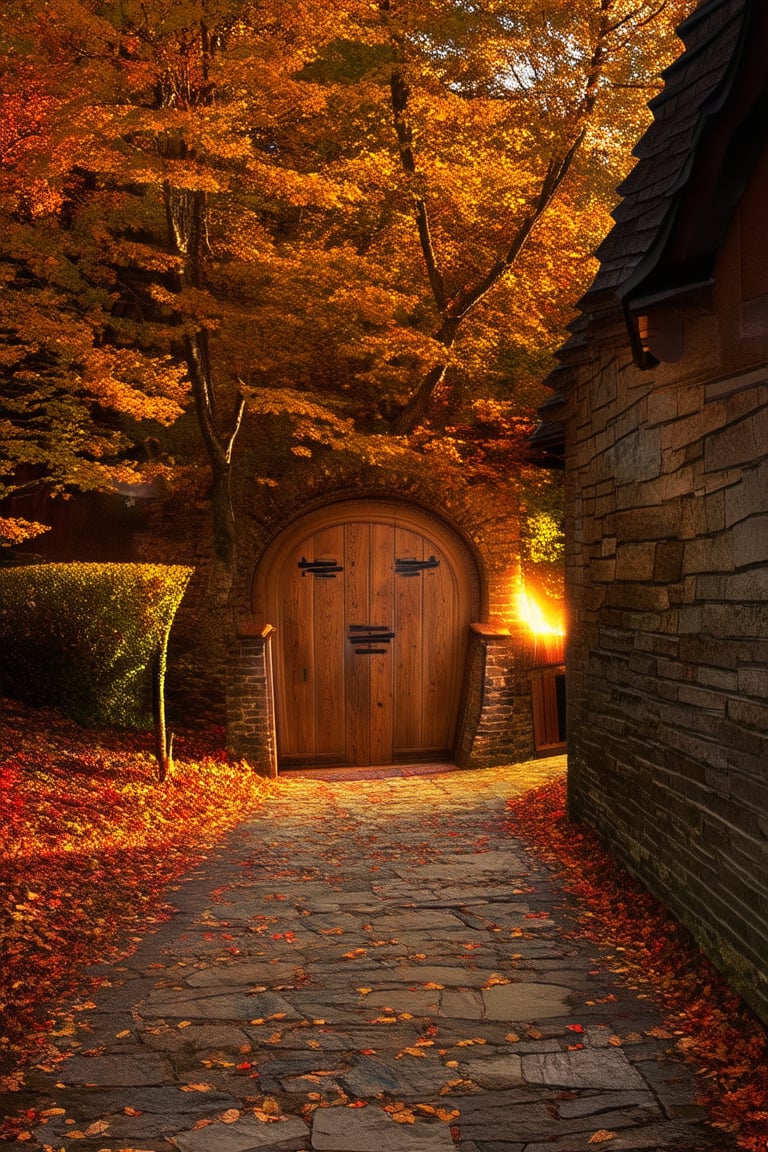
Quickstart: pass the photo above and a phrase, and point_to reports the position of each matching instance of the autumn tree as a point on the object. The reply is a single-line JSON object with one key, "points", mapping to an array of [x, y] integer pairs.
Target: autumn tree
{"points": [[73, 402], [362, 230]]}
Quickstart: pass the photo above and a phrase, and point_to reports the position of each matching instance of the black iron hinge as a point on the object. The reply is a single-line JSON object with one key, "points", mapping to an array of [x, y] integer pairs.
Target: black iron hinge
{"points": [[413, 567], [325, 569]]}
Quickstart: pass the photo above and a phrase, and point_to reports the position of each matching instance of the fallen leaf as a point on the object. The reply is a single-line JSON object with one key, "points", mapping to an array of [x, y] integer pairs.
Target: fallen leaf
{"points": [[447, 1115], [451, 1085], [495, 979], [601, 1136], [230, 1116]]}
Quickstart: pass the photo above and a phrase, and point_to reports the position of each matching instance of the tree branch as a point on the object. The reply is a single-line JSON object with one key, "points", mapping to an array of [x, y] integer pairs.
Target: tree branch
{"points": [[401, 91]]}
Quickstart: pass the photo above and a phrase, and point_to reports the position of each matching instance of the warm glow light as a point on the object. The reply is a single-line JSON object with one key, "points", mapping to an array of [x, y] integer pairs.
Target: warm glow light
{"points": [[539, 621]]}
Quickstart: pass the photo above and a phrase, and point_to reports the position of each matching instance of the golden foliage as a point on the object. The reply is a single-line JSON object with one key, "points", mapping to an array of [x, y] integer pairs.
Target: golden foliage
{"points": [[365, 219]]}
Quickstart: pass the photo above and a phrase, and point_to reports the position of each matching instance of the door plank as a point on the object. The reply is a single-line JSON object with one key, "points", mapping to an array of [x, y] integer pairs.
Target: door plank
{"points": [[442, 654], [409, 674], [327, 676], [295, 713], [357, 669], [382, 558]]}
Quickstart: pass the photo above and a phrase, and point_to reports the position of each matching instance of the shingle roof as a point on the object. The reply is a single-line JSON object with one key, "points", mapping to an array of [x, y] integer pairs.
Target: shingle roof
{"points": [[695, 89], [656, 196]]}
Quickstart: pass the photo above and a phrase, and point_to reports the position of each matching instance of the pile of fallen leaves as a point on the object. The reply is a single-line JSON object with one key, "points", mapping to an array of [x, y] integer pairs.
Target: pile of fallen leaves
{"points": [[90, 843], [710, 1025]]}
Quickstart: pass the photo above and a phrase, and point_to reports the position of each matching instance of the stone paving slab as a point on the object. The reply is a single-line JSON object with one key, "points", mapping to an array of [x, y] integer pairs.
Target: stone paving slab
{"points": [[375, 1131], [368, 966]]}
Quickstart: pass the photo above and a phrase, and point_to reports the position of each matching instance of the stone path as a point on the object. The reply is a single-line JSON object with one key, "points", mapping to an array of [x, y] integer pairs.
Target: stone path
{"points": [[369, 966]]}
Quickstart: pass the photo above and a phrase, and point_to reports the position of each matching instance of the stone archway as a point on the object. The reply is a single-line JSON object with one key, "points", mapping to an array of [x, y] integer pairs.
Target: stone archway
{"points": [[286, 620]]}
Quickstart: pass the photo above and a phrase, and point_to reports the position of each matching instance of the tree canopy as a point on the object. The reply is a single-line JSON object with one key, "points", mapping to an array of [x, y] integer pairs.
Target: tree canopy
{"points": [[367, 226]]}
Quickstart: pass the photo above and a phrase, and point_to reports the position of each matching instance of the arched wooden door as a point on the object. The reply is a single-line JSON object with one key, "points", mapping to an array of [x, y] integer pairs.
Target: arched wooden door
{"points": [[372, 603]]}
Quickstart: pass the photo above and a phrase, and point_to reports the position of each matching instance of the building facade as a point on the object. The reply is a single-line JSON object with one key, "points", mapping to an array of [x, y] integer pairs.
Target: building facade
{"points": [[660, 413]]}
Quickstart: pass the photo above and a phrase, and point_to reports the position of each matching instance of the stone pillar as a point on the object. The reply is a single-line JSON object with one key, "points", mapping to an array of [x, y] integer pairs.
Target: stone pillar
{"points": [[496, 725], [250, 700]]}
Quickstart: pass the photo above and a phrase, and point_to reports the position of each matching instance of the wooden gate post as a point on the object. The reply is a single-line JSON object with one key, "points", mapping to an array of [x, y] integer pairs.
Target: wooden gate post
{"points": [[250, 700]]}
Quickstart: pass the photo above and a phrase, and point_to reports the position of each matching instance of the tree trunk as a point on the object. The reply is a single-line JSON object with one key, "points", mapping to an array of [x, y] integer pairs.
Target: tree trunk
{"points": [[163, 743]]}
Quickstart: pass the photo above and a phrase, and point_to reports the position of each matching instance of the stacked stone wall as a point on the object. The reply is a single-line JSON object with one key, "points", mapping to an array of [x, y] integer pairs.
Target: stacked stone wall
{"points": [[496, 719], [667, 575]]}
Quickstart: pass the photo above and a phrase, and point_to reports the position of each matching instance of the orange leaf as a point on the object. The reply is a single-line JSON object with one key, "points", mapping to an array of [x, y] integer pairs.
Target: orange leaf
{"points": [[601, 1136], [97, 1128], [447, 1115]]}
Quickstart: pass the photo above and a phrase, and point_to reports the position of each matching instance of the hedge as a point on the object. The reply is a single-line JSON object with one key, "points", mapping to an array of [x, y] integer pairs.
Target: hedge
{"points": [[88, 638]]}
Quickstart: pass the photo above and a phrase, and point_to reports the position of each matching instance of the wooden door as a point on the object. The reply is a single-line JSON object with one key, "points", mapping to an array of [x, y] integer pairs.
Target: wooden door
{"points": [[372, 611]]}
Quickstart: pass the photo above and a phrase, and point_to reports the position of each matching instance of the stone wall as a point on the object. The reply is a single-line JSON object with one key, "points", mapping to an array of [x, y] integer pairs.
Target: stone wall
{"points": [[667, 575], [214, 674], [495, 726], [495, 722]]}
